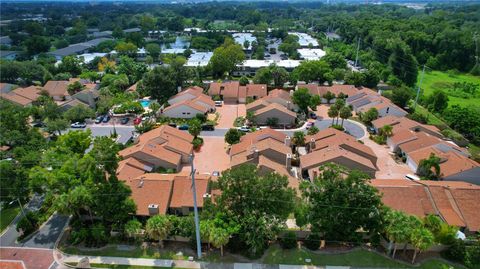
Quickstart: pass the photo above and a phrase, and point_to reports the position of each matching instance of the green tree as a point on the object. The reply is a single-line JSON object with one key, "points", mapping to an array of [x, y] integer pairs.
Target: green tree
{"points": [[195, 127], [333, 112], [233, 136], [336, 215], [226, 57], [132, 228], [37, 44], [299, 138], [313, 130], [263, 76], [329, 96], [386, 130], [345, 113], [402, 63], [315, 101], [396, 229], [158, 228], [126, 48], [401, 96], [437, 101], [79, 113], [71, 65], [355, 78], [159, 83], [309, 71], [302, 98], [369, 116], [426, 166], [53, 126], [251, 201], [76, 141], [243, 81], [132, 69], [421, 238]]}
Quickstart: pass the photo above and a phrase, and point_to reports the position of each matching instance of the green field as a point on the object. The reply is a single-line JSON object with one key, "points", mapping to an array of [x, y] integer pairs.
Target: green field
{"points": [[360, 258], [444, 81], [7, 214]]}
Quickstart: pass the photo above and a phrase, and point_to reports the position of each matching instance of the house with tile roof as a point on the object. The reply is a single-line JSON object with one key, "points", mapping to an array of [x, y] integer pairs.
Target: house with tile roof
{"points": [[187, 94], [366, 99], [22, 96], [321, 90], [455, 202], [163, 147], [269, 150], [188, 103], [58, 90], [333, 146], [161, 194], [455, 164], [283, 115], [231, 92], [401, 123]]}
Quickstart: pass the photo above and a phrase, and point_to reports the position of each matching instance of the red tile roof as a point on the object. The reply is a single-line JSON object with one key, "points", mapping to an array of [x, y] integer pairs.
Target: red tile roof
{"points": [[182, 195]]}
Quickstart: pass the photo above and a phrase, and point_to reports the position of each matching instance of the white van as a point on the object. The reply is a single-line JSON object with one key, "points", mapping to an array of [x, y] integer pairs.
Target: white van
{"points": [[218, 103]]}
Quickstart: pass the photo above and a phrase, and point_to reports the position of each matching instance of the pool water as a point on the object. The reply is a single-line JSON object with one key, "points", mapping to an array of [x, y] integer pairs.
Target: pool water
{"points": [[145, 103]]}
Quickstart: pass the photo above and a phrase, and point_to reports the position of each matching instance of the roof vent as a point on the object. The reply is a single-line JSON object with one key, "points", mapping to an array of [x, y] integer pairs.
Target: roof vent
{"points": [[140, 184], [153, 209]]}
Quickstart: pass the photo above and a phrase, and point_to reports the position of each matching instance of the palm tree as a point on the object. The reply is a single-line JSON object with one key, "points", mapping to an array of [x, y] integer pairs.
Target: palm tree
{"points": [[133, 228], [426, 165], [299, 138], [397, 229], [345, 113], [421, 238], [158, 228], [387, 130], [333, 112], [219, 237]]}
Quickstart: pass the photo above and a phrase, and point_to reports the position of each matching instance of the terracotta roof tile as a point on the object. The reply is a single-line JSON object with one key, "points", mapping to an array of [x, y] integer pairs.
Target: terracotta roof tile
{"points": [[182, 195], [278, 107], [56, 87], [151, 189]]}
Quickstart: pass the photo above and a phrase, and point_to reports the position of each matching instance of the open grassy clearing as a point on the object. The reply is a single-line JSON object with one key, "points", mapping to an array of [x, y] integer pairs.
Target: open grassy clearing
{"points": [[7, 215], [444, 81]]}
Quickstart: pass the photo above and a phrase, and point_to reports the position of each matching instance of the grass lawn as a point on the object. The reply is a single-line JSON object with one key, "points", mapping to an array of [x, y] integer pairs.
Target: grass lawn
{"points": [[137, 252], [360, 258], [442, 80], [431, 119], [114, 266], [7, 214]]}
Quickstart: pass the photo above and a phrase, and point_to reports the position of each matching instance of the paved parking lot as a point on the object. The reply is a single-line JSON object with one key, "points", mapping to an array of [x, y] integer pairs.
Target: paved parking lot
{"points": [[228, 114], [32, 258], [212, 156]]}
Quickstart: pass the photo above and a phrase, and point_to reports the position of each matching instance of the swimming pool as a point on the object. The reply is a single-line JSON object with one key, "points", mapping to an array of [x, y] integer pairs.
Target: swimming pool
{"points": [[145, 103]]}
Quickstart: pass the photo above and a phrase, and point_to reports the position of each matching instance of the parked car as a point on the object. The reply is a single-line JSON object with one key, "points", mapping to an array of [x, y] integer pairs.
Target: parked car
{"points": [[137, 121], [98, 119], [313, 115], [208, 127], [244, 129], [124, 120], [347, 132], [78, 125], [106, 119], [218, 103], [183, 127], [371, 130], [172, 124], [310, 124]]}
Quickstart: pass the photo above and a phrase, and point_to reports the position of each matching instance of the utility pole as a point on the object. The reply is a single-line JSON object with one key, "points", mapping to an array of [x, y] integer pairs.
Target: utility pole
{"points": [[418, 89], [195, 210], [358, 48]]}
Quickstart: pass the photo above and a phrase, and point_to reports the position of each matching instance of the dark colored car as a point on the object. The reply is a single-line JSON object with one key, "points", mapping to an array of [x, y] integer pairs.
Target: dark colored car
{"points": [[208, 127], [38, 124], [172, 124], [313, 116], [124, 121], [106, 118], [98, 119], [183, 127], [371, 130]]}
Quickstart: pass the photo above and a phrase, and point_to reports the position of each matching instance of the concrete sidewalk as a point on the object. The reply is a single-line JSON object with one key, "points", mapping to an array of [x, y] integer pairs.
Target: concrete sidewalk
{"points": [[187, 264]]}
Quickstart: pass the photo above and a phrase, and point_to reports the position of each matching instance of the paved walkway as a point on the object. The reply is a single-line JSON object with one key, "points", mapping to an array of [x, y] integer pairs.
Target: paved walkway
{"points": [[187, 264]]}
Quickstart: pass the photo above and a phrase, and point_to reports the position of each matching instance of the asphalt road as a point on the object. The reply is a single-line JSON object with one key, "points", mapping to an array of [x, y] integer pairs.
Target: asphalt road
{"points": [[125, 132]]}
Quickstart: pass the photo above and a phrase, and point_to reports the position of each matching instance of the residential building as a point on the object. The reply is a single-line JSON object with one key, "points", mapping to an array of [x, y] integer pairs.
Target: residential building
{"points": [[76, 49], [232, 92], [161, 194], [270, 150], [250, 67], [198, 59], [240, 38], [455, 164], [277, 113], [402, 123], [311, 54], [164, 147], [333, 146], [5, 40], [367, 98], [455, 202], [188, 103], [276, 96], [22, 96], [187, 94], [6, 87], [321, 90], [58, 90]]}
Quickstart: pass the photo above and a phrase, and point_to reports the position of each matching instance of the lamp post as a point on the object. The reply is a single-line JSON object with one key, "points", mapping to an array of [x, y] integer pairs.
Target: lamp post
{"points": [[195, 209]]}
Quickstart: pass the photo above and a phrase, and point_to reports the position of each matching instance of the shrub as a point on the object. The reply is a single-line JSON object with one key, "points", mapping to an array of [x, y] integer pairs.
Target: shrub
{"points": [[338, 127], [239, 122], [98, 235], [289, 240], [379, 139], [312, 242], [197, 143], [201, 117], [418, 117]]}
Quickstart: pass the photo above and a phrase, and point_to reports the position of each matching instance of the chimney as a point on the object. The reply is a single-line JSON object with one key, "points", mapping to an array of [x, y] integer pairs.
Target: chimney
{"points": [[289, 105], [291, 91], [254, 153], [312, 144], [179, 89], [140, 184], [288, 141], [288, 163], [152, 209]]}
